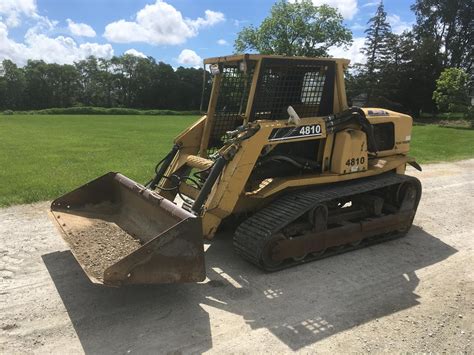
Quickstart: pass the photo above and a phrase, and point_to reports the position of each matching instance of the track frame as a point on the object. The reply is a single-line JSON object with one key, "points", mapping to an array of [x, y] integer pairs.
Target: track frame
{"points": [[261, 240]]}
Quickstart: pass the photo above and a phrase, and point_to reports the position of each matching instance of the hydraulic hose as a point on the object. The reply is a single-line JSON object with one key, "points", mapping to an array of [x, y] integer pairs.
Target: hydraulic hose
{"points": [[162, 166], [337, 122], [206, 188]]}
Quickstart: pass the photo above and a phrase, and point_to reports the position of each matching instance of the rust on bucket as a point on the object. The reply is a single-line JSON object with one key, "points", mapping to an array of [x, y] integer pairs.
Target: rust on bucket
{"points": [[122, 233]]}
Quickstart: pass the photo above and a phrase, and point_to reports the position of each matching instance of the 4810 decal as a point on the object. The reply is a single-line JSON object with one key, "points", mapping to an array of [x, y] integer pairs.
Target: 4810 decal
{"points": [[355, 161], [310, 130], [279, 134]]}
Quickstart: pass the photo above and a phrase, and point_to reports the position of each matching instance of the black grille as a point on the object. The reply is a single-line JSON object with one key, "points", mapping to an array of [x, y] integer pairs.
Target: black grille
{"points": [[232, 102], [384, 135], [308, 86]]}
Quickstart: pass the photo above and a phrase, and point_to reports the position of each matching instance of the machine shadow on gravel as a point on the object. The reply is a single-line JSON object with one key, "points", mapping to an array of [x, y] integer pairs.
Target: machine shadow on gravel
{"points": [[300, 306]]}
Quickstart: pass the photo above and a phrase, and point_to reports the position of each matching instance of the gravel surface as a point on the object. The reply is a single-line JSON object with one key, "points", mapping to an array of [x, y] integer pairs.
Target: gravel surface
{"points": [[414, 294], [100, 245]]}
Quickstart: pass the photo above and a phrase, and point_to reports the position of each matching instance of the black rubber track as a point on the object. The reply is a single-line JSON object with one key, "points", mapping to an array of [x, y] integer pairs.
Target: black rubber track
{"points": [[253, 234]]}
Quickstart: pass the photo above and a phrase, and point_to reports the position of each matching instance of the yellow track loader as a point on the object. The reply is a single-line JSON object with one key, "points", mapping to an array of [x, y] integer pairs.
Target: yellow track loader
{"points": [[279, 155]]}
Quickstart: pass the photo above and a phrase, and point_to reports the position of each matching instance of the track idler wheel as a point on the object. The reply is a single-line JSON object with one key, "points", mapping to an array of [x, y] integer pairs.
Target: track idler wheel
{"points": [[266, 259]]}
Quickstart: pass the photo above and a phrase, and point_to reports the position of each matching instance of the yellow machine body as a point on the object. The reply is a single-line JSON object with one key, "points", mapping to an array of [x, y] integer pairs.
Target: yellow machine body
{"points": [[273, 125], [343, 155]]}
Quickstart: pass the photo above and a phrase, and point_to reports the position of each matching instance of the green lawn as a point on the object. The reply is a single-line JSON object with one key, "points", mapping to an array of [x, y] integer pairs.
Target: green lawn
{"points": [[431, 143], [42, 157]]}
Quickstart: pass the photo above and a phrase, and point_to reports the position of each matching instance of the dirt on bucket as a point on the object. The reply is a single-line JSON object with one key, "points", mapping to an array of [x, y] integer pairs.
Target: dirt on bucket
{"points": [[99, 245]]}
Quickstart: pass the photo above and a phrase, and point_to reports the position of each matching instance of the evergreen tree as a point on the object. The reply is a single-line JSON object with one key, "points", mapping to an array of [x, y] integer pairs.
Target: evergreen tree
{"points": [[377, 44], [377, 40]]}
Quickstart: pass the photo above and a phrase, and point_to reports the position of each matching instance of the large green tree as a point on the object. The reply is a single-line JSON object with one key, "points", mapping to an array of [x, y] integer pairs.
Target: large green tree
{"points": [[95, 89], [12, 85], [444, 35], [449, 25], [452, 91], [295, 29], [190, 87], [38, 89]]}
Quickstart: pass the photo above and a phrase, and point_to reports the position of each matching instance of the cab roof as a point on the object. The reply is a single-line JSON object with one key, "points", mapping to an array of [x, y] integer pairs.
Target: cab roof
{"points": [[240, 57]]}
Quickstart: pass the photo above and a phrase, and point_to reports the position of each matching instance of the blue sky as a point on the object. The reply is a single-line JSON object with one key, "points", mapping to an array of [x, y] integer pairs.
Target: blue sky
{"points": [[178, 32]]}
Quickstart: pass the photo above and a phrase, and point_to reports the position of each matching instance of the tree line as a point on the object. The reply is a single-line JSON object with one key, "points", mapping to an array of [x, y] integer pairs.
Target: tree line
{"points": [[405, 71], [125, 81], [401, 71]]}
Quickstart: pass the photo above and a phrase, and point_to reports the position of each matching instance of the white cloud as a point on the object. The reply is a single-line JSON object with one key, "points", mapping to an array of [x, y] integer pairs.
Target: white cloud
{"points": [[211, 18], [80, 29], [12, 10], [135, 53], [190, 58], [222, 42], [159, 23], [372, 3], [62, 50], [347, 8], [398, 25], [10, 49], [353, 52]]}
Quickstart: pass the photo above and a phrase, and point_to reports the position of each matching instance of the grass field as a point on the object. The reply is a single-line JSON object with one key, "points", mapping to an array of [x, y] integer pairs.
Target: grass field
{"points": [[431, 143], [42, 157]]}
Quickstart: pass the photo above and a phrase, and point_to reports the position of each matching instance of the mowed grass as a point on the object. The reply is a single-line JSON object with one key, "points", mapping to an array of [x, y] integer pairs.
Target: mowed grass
{"points": [[42, 157], [431, 143]]}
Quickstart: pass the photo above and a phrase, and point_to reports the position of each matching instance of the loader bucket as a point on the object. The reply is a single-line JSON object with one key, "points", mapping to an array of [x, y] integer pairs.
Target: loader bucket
{"points": [[122, 233]]}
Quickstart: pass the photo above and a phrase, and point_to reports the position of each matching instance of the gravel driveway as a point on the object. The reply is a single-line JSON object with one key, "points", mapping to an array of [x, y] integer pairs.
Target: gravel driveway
{"points": [[413, 294]]}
